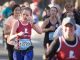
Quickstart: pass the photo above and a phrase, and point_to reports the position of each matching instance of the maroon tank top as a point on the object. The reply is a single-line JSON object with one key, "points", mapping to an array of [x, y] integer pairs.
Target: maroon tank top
{"points": [[24, 28], [69, 52]]}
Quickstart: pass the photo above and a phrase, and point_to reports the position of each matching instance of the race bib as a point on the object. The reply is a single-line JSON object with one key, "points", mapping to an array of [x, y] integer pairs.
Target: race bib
{"points": [[23, 44], [51, 35]]}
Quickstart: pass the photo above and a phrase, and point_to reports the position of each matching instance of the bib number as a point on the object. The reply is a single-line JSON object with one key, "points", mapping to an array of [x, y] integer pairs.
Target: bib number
{"points": [[51, 35], [23, 44]]}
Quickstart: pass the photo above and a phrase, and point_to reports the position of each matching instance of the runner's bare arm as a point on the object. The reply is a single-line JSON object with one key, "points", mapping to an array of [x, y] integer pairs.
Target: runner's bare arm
{"points": [[37, 28], [13, 31], [51, 51], [44, 25]]}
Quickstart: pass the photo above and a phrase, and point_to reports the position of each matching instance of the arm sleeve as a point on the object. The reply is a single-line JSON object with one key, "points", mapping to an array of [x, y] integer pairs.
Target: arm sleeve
{"points": [[53, 48], [58, 32]]}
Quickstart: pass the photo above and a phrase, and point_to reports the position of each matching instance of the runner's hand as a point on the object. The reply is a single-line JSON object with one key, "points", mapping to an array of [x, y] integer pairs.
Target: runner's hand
{"points": [[30, 19], [20, 34], [52, 28]]}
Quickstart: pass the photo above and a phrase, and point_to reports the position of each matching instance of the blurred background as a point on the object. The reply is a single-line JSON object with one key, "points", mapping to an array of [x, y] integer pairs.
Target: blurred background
{"points": [[37, 39]]}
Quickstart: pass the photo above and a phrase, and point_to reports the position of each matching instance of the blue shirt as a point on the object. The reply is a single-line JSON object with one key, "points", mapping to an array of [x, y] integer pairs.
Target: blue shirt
{"points": [[35, 18], [7, 12]]}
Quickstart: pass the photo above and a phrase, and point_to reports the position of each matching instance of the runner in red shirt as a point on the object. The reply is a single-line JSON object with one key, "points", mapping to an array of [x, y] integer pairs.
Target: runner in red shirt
{"points": [[21, 35], [67, 46]]}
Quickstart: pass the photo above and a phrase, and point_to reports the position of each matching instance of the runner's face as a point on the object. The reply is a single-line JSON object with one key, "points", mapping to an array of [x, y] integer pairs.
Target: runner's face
{"points": [[26, 14], [53, 11], [17, 11], [69, 8], [68, 30]]}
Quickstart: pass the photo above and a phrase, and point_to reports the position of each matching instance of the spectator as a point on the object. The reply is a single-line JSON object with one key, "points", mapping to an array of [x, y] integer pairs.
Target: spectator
{"points": [[8, 10], [69, 7], [26, 4], [36, 14], [46, 13], [77, 15]]}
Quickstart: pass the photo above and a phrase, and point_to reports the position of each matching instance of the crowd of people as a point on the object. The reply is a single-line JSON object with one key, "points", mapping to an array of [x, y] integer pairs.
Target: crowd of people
{"points": [[61, 28]]}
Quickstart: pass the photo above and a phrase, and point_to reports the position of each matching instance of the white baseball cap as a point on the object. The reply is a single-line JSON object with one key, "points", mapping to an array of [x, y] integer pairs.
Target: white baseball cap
{"points": [[68, 20]]}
